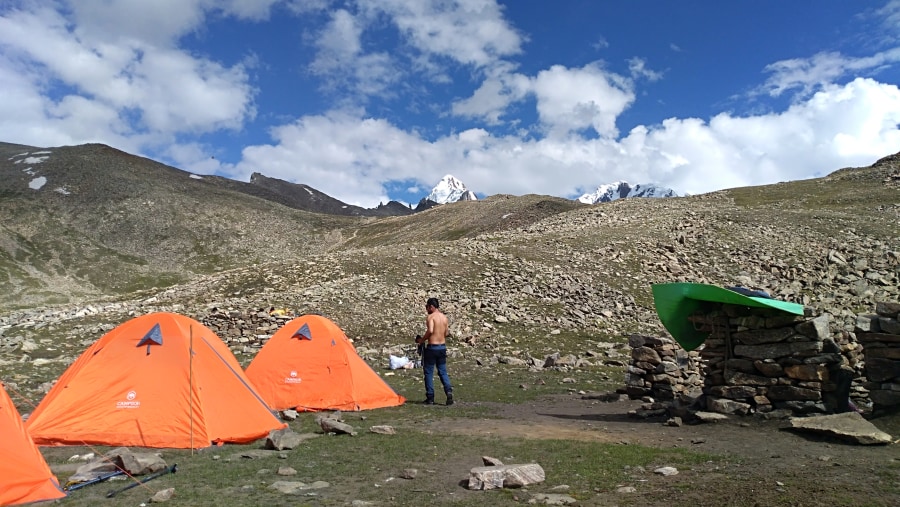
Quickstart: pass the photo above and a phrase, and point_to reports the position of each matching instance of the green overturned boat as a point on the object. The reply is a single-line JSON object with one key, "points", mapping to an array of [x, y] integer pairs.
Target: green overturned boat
{"points": [[676, 301]]}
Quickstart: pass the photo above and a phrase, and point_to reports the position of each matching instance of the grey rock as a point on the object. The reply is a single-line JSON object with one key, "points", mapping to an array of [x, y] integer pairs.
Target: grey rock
{"points": [[330, 425], [505, 476], [293, 488], [552, 499], [282, 439], [849, 426], [163, 495], [383, 430]]}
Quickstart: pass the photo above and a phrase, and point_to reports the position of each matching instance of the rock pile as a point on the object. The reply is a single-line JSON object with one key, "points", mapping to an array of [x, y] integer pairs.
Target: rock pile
{"points": [[880, 335]]}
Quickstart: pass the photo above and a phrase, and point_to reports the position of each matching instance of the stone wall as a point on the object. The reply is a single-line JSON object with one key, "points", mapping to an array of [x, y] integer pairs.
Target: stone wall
{"points": [[755, 360], [244, 331], [662, 373], [879, 334]]}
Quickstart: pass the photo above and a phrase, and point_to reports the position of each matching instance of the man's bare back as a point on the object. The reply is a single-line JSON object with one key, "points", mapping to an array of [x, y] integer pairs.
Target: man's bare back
{"points": [[436, 325]]}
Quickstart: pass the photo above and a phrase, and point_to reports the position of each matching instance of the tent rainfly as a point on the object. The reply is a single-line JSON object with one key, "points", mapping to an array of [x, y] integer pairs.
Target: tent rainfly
{"points": [[160, 380], [24, 475], [310, 365], [676, 301]]}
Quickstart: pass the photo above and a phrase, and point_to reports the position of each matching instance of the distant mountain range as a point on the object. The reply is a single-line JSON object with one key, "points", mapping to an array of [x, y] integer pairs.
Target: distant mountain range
{"points": [[448, 190], [624, 190]]}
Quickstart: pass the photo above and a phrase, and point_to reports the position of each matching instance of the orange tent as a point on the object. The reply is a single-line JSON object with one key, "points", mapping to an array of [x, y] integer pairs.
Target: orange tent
{"points": [[159, 380], [24, 475], [309, 364]]}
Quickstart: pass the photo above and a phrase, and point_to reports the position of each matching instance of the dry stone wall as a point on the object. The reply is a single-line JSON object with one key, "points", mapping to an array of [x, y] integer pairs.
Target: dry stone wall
{"points": [[660, 369], [880, 335], [755, 360]]}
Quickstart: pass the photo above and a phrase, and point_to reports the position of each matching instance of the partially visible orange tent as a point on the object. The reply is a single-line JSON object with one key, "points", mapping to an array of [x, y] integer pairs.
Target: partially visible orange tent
{"points": [[310, 364], [24, 475], [159, 380]]}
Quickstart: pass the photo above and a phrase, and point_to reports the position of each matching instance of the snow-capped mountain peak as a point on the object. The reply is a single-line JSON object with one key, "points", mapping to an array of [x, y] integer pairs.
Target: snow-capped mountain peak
{"points": [[450, 189], [623, 190]]}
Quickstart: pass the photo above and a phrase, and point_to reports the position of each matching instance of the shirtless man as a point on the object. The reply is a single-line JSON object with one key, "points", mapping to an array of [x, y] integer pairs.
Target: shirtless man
{"points": [[435, 341]]}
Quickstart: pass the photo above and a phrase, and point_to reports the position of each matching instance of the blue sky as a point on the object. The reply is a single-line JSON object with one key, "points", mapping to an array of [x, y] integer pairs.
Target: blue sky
{"points": [[371, 100]]}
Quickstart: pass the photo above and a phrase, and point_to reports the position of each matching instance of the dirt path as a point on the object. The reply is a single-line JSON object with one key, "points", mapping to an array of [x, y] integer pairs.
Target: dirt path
{"points": [[764, 459]]}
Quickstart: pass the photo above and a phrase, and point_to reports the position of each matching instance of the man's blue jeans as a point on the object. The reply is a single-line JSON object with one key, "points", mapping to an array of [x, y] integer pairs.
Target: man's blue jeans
{"points": [[435, 355]]}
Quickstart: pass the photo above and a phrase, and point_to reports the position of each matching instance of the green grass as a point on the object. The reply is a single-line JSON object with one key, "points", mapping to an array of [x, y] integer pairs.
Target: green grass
{"points": [[368, 467]]}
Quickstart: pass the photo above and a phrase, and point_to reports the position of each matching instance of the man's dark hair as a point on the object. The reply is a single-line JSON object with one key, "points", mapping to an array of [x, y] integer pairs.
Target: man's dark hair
{"points": [[433, 302]]}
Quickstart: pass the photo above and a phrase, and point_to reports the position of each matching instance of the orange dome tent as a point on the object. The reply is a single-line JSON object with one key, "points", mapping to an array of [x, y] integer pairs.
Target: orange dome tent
{"points": [[159, 380], [309, 364], [24, 475]]}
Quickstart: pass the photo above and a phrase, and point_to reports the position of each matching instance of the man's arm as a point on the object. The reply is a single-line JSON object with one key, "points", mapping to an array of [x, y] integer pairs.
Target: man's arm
{"points": [[429, 330]]}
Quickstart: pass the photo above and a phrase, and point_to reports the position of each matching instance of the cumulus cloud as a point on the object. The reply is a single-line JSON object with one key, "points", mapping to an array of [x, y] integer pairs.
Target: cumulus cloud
{"points": [[119, 72], [106, 82], [490, 101], [471, 32], [346, 155], [576, 99]]}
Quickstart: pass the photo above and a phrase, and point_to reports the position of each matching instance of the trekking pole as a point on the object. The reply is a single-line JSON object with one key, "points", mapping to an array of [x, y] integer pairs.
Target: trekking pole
{"points": [[95, 480], [169, 470]]}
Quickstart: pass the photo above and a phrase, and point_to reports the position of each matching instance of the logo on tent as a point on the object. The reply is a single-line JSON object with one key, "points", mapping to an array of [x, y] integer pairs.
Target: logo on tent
{"points": [[293, 378], [129, 403]]}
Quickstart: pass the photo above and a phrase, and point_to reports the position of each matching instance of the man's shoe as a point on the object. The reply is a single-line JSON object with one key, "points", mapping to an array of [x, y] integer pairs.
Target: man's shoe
{"points": [[450, 399], [428, 401]]}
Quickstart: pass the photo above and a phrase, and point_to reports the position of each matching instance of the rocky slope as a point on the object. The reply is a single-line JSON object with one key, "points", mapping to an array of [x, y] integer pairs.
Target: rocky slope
{"points": [[519, 276]]}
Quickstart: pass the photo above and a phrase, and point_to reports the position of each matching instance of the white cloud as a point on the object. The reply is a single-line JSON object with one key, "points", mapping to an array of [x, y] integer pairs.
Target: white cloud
{"points": [[116, 72], [840, 126], [499, 89], [576, 99], [121, 90], [890, 16], [158, 23], [341, 59], [638, 68], [809, 74], [346, 155], [338, 43], [601, 43], [190, 94], [471, 32]]}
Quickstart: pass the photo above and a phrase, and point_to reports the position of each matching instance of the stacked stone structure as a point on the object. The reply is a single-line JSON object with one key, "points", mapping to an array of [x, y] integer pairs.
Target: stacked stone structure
{"points": [[755, 360], [879, 334], [244, 331], [662, 370]]}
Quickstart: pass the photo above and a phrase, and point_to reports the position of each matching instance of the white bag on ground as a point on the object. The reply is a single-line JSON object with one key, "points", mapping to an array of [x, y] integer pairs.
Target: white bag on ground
{"points": [[398, 362]]}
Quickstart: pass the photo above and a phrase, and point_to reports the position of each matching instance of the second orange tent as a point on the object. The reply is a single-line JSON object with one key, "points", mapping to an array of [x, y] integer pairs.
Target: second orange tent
{"points": [[310, 364]]}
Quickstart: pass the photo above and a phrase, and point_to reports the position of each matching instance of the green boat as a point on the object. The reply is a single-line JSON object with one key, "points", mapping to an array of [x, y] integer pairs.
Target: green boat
{"points": [[676, 301]]}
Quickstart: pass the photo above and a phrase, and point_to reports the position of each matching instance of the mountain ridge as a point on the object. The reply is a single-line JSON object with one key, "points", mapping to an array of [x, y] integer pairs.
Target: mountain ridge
{"points": [[104, 223], [623, 190]]}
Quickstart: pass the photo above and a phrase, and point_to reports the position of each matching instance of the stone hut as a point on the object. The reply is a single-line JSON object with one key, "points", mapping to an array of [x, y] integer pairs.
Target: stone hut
{"points": [[879, 334], [754, 360]]}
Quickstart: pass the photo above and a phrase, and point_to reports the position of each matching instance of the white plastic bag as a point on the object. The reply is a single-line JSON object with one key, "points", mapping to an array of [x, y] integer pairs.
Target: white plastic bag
{"points": [[398, 362]]}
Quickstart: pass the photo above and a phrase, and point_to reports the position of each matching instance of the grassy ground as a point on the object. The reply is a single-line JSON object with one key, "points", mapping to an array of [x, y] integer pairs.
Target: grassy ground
{"points": [[587, 449]]}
